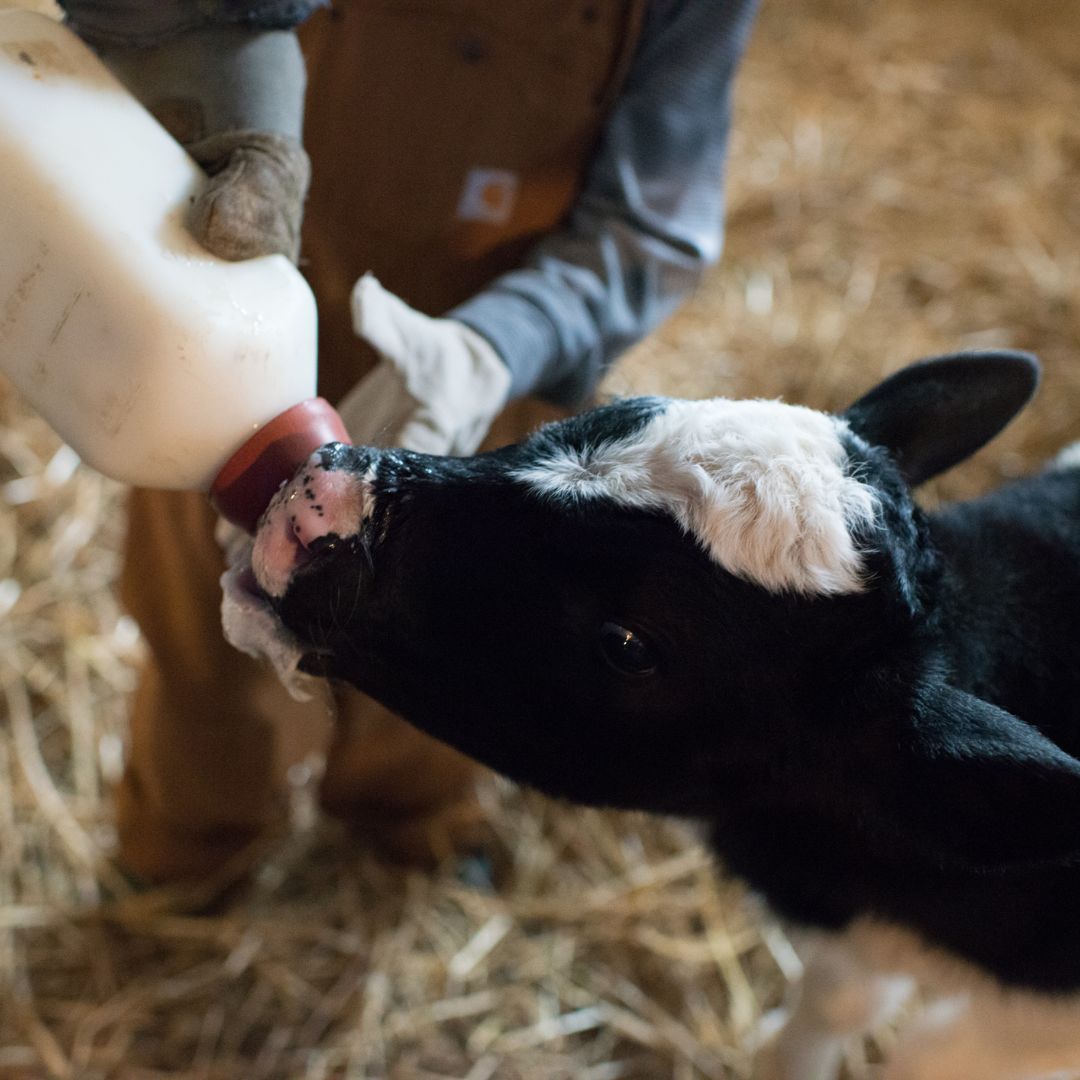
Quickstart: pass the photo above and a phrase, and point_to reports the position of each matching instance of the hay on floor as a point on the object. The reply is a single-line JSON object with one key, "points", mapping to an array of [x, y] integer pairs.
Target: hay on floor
{"points": [[902, 182]]}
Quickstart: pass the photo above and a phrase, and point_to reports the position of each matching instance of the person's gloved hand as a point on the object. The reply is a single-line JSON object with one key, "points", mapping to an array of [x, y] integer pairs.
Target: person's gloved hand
{"points": [[233, 96], [438, 384], [254, 202]]}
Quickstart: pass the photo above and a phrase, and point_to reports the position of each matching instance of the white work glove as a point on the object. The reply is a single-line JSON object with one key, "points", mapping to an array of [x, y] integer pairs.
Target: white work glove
{"points": [[437, 386]]}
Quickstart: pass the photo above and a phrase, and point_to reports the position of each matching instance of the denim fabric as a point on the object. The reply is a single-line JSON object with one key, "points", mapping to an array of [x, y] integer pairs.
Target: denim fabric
{"points": [[149, 22]]}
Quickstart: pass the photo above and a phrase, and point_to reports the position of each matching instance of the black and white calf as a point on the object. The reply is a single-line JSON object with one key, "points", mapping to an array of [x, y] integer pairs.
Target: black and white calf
{"points": [[734, 611]]}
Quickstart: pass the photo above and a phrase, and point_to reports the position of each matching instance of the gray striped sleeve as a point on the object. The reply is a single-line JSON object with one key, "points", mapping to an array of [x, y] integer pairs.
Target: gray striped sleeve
{"points": [[648, 221], [150, 22]]}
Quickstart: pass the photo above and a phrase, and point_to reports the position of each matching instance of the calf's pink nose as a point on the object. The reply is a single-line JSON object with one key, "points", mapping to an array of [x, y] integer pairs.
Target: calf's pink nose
{"points": [[317, 502]]}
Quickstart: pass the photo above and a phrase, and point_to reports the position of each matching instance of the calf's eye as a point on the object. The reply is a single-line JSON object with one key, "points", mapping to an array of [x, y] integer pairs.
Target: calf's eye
{"points": [[626, 650]]}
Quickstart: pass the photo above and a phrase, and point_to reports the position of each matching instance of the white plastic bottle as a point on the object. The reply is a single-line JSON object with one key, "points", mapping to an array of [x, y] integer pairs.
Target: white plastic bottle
{"points": [[160, 364]]}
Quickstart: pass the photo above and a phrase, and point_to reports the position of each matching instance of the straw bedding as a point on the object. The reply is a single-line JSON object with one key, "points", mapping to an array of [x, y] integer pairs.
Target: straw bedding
{"points": [[902, 181]]}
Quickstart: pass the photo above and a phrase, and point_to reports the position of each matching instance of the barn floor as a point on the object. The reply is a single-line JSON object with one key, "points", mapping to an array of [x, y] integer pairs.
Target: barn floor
{"points": [[903, 181]]}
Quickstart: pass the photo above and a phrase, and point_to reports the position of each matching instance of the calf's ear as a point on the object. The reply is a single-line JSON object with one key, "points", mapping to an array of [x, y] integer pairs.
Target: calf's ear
{"points": [[933, 414], [978, 787]]}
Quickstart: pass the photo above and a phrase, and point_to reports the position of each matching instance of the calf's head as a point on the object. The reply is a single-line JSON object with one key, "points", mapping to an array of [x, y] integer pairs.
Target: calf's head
{"points": [[643, 604]]}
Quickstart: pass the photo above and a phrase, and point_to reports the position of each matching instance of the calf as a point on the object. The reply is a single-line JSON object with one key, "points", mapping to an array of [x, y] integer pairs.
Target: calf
{"points": [[734, 611]]}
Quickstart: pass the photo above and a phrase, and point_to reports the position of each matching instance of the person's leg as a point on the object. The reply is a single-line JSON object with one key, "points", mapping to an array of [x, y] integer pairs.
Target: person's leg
{"points": [[995, 1034], [411, 798], [837, 1000], [205, 762]]}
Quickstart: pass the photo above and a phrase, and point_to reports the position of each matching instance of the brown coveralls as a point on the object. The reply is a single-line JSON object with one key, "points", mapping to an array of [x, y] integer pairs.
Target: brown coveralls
{"points": [[409, 103]]}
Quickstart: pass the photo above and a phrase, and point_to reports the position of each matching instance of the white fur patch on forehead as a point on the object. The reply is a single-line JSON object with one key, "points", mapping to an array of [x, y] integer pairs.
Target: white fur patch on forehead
{"points": [[760, 484]]}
